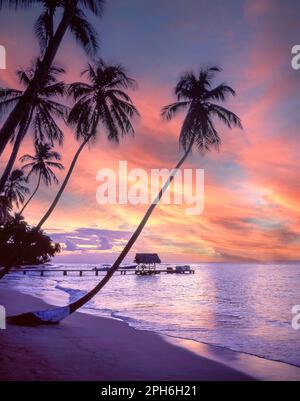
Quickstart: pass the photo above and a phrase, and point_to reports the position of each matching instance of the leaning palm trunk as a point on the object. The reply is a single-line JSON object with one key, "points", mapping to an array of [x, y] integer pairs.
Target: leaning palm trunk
{"points": [[31, 196], [56, 315], [22, 108], [4, 271], [64, 184], [13, 156]]}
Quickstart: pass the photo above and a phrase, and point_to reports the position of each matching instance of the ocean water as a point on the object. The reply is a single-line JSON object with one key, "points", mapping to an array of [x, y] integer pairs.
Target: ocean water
{"points": [[243, 307]]}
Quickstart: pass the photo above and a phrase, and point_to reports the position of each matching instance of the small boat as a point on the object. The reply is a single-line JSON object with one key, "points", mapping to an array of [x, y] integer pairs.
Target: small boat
{"points": [[132, 267], [104, 267], [182, 268]]}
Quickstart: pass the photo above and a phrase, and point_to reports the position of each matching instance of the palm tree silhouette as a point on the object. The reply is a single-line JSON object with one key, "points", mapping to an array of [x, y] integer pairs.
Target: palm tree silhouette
{"points": [[73, 18], [101, 101], [15, 188], [43, 114], [5, 210], [82, 30], [194, 93], [41, 164]]}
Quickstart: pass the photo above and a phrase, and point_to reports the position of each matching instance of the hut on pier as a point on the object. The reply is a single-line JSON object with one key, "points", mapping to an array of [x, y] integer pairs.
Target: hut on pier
{"points": [[146, 263]]}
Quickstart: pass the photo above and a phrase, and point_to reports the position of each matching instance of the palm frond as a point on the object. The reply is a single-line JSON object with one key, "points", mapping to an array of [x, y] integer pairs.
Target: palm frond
{"points": [[84, 32], [226, 116], [6, 105], [43, 29], [79, 89], [15, 188], [103, 100], [196, 92], [16, 3], [221, 92], [42, 163], [25, 158], [95, 6], [169, 111]]}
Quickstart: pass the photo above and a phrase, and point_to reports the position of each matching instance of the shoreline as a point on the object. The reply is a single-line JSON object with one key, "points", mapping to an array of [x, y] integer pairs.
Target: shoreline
{"points": [[139, 356], [203, 343], [187, 343], [86, 347]]}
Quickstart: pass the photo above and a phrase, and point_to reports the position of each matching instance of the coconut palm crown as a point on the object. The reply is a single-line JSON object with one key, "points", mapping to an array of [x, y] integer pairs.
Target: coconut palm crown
{"points": [[42, 165], [103, 100], [50, 32], [46, 109], [196, 94], [15, 188]]}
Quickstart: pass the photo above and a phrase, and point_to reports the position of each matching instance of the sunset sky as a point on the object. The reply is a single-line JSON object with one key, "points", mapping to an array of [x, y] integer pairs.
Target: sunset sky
{"points": [[252, 190]]}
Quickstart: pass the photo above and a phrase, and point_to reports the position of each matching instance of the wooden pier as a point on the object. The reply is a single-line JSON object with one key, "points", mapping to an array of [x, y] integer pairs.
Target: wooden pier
{"points": [[80, 272]]}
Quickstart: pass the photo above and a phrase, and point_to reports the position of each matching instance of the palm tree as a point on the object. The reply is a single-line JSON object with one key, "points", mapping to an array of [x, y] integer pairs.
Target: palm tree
{"points": [[5, 209], [43, 114], [101, 101], [15, 188], [5, 218], [72, 18], [82, 30], [195, 94], [41, 164]]}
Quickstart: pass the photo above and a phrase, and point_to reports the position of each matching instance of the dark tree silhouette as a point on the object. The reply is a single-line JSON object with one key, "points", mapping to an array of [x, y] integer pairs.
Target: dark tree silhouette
{"points": [[15, 188], [43, 115], [101, 102], [5, 210], [21, 244], [194, 93], [42, 165], [70, 16]]}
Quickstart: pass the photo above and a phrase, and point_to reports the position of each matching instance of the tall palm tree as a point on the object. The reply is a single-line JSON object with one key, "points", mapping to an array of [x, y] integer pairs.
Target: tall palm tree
{"points": [[5, 218], [101, 101], [82, 30], [71, 18], [15, 188], [41, 164], [195, 94], [44, 112], [5, 210]]}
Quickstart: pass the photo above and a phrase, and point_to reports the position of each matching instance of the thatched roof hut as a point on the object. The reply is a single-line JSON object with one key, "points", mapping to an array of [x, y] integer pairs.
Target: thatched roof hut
{"points": [[147, 258]]}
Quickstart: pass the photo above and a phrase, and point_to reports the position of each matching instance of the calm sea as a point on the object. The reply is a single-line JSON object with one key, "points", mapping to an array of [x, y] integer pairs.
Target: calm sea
{"points": [[243, 307]]}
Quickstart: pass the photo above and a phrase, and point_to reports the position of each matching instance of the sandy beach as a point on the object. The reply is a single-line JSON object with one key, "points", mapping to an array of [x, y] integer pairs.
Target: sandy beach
{"points": [[85, 347]]}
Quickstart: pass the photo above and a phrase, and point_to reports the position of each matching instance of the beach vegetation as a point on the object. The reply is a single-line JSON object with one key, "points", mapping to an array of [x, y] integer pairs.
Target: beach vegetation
{"points": [[44, 114], [42, 165], [57, 17], [100, 104], [16, 187], [21, 244]]}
